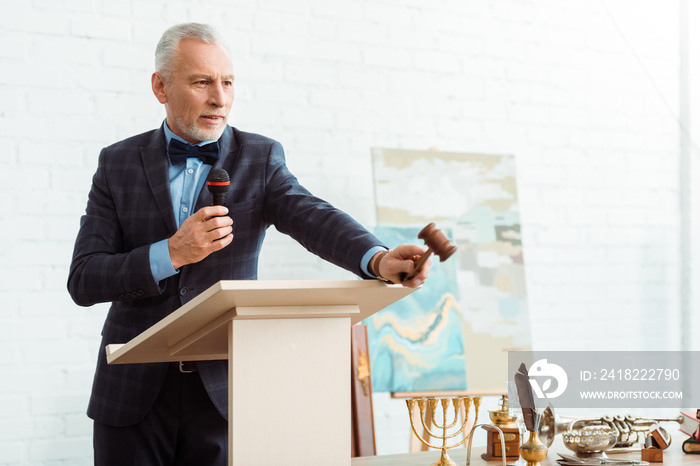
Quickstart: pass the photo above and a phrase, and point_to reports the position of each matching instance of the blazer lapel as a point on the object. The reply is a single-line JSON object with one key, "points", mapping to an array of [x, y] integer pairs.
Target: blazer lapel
{"points": [[155, 162]]}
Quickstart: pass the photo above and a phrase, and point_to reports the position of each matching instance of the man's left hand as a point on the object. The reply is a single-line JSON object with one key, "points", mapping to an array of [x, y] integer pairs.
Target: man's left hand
{"points": [[399, 262]]}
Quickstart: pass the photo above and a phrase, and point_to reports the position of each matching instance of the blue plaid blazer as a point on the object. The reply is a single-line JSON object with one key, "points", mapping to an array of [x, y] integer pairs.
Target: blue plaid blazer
{"points": [[129, 208]]}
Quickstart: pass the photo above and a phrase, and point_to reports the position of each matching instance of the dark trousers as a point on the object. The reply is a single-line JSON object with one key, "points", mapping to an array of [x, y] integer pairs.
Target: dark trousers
{"points": [[182, 429]]}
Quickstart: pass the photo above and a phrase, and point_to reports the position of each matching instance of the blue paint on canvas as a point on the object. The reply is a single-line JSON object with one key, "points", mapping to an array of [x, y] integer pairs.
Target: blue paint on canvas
{"points": [[417, 344]]}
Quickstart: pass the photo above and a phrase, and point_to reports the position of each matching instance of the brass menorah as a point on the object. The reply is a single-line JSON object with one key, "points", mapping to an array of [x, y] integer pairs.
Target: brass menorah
{"points": [[458, 403]]}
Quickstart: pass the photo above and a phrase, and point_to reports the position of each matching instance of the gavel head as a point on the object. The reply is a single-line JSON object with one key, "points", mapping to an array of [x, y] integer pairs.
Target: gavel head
{"points": [[437, 242]]}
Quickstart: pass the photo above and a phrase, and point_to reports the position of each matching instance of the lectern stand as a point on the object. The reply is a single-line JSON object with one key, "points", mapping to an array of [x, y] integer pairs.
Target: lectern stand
{"points": [[288, 347]]}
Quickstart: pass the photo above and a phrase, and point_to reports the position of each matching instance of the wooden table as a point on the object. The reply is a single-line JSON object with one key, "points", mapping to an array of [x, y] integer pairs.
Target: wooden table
{"points": [[673, 456]]}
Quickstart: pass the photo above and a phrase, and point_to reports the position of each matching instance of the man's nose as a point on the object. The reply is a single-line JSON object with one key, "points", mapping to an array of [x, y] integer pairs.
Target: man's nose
{"points": [[217, 95]]}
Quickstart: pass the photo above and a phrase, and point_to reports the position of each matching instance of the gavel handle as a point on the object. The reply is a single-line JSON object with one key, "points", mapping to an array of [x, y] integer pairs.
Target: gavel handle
{"points": [[418, 265]]}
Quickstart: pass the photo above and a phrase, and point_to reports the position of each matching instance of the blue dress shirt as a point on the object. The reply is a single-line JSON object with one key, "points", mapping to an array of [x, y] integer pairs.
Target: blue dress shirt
{"points": [[185, 183]]}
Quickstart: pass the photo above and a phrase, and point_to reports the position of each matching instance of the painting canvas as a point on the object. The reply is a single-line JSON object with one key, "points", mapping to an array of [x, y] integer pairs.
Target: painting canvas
{"points": [[455, 332], [418, 343]]}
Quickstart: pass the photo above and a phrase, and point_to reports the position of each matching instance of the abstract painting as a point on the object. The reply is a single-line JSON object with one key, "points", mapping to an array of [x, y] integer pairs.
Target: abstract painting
{"points": [[454, 333]]}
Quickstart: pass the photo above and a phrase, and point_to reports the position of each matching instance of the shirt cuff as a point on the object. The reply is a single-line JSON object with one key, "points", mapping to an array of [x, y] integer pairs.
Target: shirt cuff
{"points": [[364, 263], [159, 257]]}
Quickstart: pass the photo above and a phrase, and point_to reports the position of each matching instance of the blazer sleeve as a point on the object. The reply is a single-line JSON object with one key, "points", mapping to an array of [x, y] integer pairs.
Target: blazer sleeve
{"points": [[103, 267], [318, 226]]}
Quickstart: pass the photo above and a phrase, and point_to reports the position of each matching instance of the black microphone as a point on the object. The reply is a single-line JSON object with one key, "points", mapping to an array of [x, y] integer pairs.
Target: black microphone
{"points": [[217, 184]]}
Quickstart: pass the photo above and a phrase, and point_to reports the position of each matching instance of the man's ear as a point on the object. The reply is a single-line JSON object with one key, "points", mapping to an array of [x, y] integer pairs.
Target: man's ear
{"points": [[158, 86]]}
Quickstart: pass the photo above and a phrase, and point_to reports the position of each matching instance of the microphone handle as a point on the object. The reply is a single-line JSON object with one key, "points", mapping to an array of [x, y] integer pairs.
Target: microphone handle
{"points": [[219, 199]]}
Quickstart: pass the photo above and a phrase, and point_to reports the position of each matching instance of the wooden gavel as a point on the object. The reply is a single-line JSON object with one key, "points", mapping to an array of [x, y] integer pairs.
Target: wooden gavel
{"points": [[437, 243]]}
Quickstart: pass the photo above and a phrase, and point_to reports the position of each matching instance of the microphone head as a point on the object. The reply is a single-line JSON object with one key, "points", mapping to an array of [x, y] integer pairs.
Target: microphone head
{"points": [[217, 184], [218, 181]]}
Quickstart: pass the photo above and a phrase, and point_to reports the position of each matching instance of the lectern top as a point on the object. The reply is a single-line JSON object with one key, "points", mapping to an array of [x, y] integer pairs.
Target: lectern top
{"points": [[197, 330]]}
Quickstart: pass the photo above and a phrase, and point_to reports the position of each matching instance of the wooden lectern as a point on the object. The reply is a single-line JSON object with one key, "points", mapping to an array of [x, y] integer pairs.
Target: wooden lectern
{"points": [[288, 347]]}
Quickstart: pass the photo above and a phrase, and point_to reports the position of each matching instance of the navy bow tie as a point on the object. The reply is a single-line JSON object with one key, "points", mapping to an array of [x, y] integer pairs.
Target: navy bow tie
{"points": [[179, 151]]}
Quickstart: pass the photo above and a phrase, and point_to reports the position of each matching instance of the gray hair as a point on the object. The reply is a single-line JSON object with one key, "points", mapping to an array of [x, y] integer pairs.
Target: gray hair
{"points": [[168, 45]]}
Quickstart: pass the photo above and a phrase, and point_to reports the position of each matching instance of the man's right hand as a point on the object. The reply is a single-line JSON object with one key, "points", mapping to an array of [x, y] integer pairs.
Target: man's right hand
{"points": [[208, 230]]}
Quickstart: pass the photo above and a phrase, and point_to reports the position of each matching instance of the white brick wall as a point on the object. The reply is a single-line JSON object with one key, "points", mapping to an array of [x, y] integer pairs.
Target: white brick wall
{"points": [[584, 94]]}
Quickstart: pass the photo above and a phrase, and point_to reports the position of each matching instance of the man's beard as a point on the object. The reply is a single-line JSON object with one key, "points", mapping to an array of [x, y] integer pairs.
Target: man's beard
{"points": [[195, 133]]}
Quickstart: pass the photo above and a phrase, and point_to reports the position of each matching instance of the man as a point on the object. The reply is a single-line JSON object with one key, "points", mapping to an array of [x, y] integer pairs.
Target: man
{"points": [[150, 241]]}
